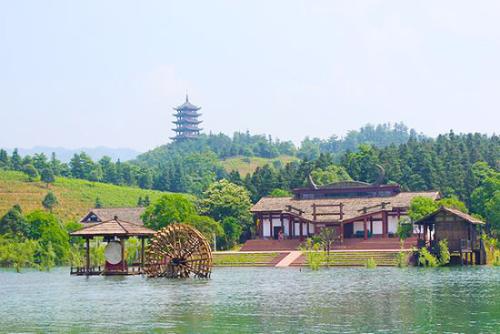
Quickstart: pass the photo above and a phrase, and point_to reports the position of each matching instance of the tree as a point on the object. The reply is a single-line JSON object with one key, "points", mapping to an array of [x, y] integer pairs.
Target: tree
{"points": [[31, 171], [206, 225], [421, 207], [280, 193], [14, 224], [15, 160], [404, 231], [47, 176], [140, 202], [168, 209], [224, 199], [98, 203], [327, 237], [47, 228], [329, 174], [4, 159], [146, 201], [50, 201], [453, 203], [232, 232]]}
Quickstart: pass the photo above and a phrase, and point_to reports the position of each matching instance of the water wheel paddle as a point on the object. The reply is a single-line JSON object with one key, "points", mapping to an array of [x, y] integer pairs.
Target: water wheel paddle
{"points": [[178, 251]]}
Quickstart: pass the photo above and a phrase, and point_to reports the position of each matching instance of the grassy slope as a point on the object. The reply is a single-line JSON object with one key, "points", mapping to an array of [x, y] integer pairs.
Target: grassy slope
{"points": [[246, 165], [75, 196]]}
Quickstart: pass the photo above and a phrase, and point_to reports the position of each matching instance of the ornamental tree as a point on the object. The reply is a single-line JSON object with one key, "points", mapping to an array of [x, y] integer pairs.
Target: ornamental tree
{"points": [[168, 209], [224, 199]]}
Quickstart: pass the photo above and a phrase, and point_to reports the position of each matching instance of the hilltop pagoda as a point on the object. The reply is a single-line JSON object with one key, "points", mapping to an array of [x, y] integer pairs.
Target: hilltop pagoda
{"points": [[186, 121]]}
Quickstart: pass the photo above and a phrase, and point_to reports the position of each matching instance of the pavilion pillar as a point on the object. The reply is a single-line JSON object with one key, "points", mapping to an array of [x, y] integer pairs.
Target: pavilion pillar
{"points": [[365, 229], [271, 226], [425, 233], [142, 254], [87, 255], [122, 243], [282, 225], [290, 235], [341, 232], [300, 228], [385, 225]]}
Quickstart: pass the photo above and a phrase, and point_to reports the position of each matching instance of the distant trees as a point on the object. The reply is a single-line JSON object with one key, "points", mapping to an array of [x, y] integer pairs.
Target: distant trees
{"points": [[14, 224], [31, 172], [49, 201], [47, 176]]}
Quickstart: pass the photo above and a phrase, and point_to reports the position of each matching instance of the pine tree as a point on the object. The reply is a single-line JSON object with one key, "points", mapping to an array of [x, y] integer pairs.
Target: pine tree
{"points": [[50, 201], [15, 160], [98, 203], [47, 176]]}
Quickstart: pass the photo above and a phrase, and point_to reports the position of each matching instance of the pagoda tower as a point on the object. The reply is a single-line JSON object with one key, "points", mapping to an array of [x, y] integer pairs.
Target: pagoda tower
{"points": [[186, 121]]}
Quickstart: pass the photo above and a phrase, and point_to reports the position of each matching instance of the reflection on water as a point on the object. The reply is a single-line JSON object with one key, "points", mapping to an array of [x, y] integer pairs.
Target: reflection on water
{"points": [[256, 300]]}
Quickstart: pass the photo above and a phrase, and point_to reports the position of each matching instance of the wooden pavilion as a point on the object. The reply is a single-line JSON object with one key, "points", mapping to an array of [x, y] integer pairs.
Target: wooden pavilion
{"points": [[115, 232], [462, 231]]}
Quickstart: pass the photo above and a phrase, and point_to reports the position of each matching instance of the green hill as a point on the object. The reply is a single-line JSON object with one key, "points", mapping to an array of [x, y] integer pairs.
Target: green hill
{"points": [[75, 196], [245, 165]]}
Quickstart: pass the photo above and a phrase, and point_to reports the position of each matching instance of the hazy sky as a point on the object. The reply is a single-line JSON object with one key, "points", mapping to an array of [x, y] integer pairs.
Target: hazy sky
{"points": [[92, 73]]}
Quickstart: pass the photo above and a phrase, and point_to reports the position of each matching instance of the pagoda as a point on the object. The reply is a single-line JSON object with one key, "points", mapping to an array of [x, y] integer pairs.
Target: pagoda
{"points": [[186, 121]]}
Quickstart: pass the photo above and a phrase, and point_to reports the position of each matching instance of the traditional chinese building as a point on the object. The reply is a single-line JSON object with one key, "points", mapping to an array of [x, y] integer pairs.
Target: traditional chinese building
{"points": [[356, 210], [186, 121]]}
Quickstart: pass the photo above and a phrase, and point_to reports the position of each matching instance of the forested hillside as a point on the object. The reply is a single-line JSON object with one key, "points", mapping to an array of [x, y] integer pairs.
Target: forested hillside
{"points": [[263, 164]]}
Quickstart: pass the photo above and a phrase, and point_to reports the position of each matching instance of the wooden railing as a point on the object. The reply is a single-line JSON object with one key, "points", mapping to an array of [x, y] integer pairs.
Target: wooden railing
{"points": [[381, 205], [340, 213]]}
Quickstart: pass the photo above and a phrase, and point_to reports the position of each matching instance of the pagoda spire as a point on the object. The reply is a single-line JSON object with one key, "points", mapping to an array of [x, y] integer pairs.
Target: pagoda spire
{"points": [[186, 121]]}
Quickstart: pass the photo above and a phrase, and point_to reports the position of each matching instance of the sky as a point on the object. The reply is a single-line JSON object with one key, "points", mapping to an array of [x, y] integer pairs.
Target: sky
{"points": [[107, 73]]}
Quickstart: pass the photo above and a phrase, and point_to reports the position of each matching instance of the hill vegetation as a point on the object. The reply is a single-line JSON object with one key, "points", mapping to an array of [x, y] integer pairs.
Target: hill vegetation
{"points": [[74, 196]]}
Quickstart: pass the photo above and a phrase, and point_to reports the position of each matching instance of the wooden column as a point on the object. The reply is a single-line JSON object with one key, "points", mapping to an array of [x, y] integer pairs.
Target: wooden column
{"points": [[365, 229], [142, 254], [341, 232], [270, 226], [122, 243], [385, 225], [282, 225], [87, 257], [300, 228], [425, 234], [290, 235]]}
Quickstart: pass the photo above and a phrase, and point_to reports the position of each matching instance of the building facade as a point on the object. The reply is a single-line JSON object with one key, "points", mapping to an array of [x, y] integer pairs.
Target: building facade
{"points": [[353, 209]]}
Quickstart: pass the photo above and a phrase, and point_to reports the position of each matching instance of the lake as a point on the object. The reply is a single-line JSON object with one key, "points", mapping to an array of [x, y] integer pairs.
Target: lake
{"points": [[256, 300]]}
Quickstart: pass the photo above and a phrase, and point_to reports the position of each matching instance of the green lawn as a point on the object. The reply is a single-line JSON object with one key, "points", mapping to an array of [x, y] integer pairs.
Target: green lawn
{"points": [[246, 165], [243, 259], [75, 196]]}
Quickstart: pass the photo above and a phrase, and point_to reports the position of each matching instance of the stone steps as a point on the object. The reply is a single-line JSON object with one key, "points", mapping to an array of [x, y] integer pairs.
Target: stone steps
{"points": [[354, 258]]}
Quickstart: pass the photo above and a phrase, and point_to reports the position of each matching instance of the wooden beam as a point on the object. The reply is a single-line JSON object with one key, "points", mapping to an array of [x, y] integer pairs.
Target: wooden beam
{"points": [[87, 258]]}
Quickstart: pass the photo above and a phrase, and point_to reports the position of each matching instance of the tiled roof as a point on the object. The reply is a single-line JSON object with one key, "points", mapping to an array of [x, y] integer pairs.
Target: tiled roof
{"points": [[352, 207], [132, 215], [114, 227], [455, 212]]}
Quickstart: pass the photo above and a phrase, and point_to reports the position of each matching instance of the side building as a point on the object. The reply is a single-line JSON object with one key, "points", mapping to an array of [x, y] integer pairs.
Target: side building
{"points": [[354, 209]]}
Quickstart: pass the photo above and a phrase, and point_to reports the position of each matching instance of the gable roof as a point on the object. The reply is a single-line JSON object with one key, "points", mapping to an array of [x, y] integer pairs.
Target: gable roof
{"points": [[132, 215], [352, 207], [113, 227], [468, 218]]}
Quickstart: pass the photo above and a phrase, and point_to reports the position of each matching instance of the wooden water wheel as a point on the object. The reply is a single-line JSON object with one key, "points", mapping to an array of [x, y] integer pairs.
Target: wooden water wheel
{"points": [[178, 251]]}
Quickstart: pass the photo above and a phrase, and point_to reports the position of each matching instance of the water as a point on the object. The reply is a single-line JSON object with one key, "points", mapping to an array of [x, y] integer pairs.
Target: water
{"points": [[256, 300]]}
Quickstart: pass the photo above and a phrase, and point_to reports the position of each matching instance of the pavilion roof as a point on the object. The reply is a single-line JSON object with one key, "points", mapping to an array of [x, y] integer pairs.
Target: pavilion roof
{"points": [[353, 207], [131, 215], [468, 218], [114, 227]]}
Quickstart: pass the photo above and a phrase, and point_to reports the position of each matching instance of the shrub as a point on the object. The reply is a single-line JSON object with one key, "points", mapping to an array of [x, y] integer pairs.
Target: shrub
{"points": [[426, 259], [370, 263], [402, 259], [444, 252]]}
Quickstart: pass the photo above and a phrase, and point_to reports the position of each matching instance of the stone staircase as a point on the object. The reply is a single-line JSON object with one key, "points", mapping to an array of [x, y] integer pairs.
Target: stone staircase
{"points": [[355, 258]]}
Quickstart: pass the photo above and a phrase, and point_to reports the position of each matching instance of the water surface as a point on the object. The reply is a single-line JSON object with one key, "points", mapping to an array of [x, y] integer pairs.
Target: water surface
{"points": [[256, 300]]}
